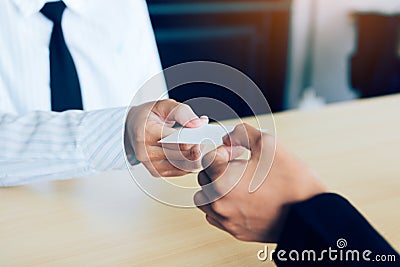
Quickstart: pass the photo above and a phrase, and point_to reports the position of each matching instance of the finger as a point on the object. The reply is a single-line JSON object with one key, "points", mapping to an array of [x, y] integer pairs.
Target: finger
{"points": [[214, 222], [163, 168], [235, 151], [207, 187], [203, 203], [187, 165], [203, 179], [205, 120], [171, 110], [261, 158], [192, 154], [216, 162], [246, 136], [176, 146], [162, 130], [154, 152]]}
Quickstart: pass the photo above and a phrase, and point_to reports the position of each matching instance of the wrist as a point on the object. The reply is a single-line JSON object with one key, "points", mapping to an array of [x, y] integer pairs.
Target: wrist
{"points": [[128, 138]]}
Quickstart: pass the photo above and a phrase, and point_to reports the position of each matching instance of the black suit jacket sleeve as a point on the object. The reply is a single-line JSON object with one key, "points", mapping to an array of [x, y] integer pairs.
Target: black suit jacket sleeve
{"points": [[329, 222]]}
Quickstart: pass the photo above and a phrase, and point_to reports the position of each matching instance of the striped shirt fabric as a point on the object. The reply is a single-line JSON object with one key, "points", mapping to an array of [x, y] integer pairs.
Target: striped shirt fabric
{"points": [[48, 145], [113, 47]]}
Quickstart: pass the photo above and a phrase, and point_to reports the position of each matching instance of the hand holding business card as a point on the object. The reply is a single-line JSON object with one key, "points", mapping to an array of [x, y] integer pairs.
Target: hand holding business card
{"points": [[206, 137]]}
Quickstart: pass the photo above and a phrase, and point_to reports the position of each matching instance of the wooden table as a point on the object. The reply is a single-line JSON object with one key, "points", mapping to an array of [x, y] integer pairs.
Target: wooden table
{"points": [[107, 221]]}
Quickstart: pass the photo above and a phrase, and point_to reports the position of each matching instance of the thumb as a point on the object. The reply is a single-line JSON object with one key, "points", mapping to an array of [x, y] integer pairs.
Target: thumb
{"points": [[171, 110], [246, 136], [215, 162], [261, 158]]}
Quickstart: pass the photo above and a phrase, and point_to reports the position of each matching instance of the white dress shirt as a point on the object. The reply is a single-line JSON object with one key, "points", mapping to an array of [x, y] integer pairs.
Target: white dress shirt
{"points": [[114, 50]]}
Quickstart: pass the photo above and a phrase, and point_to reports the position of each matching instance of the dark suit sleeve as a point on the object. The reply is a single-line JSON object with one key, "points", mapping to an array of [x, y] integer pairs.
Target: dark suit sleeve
{"points": [[329, 222]]}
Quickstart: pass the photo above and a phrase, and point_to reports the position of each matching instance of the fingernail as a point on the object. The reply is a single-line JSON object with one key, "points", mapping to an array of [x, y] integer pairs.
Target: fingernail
{"points": [[194, 119], [194, 122]]}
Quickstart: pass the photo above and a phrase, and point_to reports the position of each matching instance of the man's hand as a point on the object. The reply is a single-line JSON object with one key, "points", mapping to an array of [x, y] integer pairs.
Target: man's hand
{"points": [[259, 215], [148, 123]]}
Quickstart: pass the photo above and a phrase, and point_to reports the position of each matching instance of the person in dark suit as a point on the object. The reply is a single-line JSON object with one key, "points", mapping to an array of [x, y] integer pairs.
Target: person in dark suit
{"points": [[290, 206]]}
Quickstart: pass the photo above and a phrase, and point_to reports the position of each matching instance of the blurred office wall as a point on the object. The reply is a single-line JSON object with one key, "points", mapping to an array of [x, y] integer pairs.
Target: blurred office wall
{"points": [[285, 46], [323, 40], [251, 36]]}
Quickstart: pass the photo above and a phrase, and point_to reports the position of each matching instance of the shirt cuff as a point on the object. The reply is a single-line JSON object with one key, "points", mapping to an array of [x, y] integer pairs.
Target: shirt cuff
{"points": [[102, 139]]}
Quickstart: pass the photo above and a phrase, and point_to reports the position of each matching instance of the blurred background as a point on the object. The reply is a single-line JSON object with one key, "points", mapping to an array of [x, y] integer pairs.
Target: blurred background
{"points": [[301, 53]]}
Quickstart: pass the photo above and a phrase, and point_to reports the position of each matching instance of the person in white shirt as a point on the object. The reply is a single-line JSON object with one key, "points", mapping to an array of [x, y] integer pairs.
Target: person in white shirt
{"points": [[114, 51]]}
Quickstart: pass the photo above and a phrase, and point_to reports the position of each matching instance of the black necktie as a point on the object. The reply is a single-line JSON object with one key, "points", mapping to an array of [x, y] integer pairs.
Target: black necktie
{"points": [[64, 81]]}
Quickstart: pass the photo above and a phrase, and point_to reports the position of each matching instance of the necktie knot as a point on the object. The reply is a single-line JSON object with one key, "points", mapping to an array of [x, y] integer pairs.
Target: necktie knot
{"points": [[54, 11]]}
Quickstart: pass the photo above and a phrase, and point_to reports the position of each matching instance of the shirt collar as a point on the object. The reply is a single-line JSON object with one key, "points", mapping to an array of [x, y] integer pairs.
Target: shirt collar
{"points": [[30, 7]]}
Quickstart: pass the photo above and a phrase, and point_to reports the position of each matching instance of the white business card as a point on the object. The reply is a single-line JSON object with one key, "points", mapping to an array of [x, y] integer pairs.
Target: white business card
{"points": [[206, 134]]}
